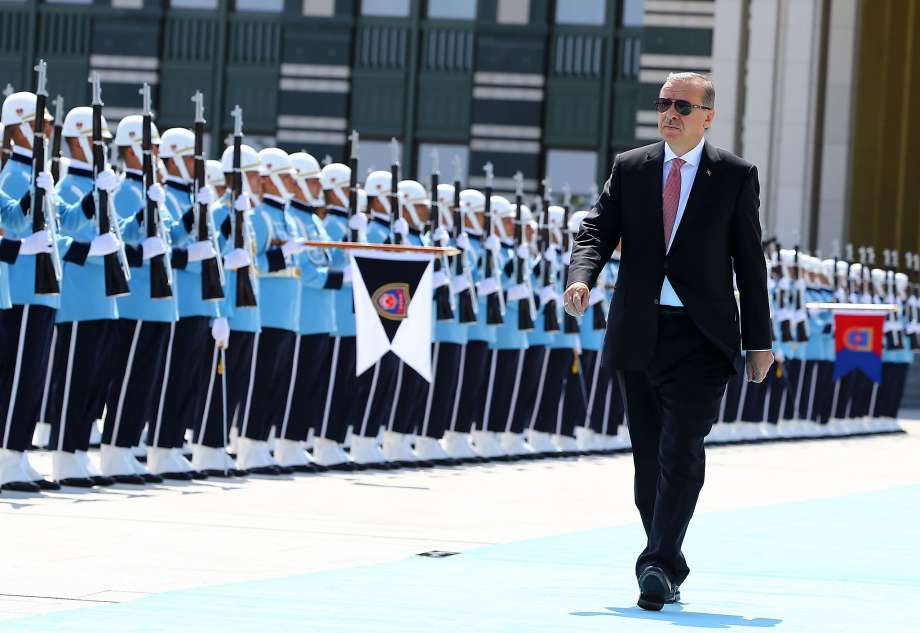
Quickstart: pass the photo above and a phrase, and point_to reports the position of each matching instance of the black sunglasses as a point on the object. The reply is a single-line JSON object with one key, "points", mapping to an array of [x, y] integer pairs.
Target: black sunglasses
{"points": [[683, 107]]}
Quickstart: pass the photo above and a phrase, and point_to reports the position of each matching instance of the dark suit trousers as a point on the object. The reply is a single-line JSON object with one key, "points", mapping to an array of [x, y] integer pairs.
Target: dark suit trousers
{"points": [[671, 406]]}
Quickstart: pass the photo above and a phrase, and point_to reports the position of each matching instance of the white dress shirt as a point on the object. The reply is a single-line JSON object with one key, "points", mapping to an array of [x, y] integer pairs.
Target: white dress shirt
{"points": [[687, 174]]}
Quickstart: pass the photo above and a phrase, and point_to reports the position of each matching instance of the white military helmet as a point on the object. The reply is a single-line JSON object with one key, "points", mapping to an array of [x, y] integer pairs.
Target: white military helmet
{"points": [[335, 177], [175, 143], [856, 271], [901, 282], [827, 268], [501, 208], [554, 217], [446, 194], [878, 277], [249, 159], [19, 110], [412, 193], [274, 163], [306, 168], [787, 257], [575, 221], [471, 203], [842, 267], [214, 173], [377, 185], [130, 133], [78, 124]]}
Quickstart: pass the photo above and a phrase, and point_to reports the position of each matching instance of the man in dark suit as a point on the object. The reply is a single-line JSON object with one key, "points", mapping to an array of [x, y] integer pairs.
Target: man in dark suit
{"points": [[687, 215]]}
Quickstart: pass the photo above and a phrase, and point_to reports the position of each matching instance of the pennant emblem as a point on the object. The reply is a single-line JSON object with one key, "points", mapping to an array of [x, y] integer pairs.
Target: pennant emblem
{"points": [[392, 301], [858, 339]]}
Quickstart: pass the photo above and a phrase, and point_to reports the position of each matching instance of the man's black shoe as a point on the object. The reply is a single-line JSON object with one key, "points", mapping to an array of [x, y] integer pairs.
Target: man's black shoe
{"points": [[21, 486], [44, 484], [656, 589]]}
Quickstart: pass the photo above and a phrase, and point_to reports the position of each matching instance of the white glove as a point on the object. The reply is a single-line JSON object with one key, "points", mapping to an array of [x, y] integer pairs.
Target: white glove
{"points": [[200, 251], [401, 227], [440, 236], [439, 279], [220, 330], [550, 254], [236, 259], [567, 259], [518, 292], [358, 222], [463, 241], [547, 294], [46, 181], [104, 244], [492, 244], [153, 246], [107, 180], [38, 242], [293, 247], [242, 203], [346, 274], [523, 252], [458, 284], [487, 286], [205, 196], [156, 193]]}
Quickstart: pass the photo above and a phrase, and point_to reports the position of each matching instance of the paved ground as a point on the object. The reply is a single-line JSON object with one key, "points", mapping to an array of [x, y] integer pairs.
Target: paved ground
{"points": [[77, 549]]}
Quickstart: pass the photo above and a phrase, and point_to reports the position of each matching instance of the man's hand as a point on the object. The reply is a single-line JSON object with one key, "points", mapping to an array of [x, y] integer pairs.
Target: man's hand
{"points": [[757, 364], [575, 299]]}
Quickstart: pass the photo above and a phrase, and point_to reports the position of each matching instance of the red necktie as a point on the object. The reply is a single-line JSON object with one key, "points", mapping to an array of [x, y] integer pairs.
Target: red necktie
{"points": [[670, 198]]}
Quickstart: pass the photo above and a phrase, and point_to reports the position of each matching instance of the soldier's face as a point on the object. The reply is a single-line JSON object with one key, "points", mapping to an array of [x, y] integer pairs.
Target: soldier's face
{"points": [[315, 187], [289, 183], [508, 223], [255, 182], [189, 163], [423, 212]]}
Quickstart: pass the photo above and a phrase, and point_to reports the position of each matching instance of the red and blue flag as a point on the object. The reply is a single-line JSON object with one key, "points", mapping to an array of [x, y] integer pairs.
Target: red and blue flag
{"points": [[858, 342]]}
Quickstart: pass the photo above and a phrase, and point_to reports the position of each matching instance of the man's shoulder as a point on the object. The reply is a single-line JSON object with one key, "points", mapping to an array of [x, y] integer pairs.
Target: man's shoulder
{"points": [[639, 154], [727, 158]]}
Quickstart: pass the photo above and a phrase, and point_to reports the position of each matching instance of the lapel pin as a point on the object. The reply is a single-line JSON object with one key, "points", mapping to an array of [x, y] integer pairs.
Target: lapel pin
{"points": [[708, 173]]}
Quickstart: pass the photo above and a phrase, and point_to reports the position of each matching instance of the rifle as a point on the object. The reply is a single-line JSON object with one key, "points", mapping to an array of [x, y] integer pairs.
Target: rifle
{"points": [[801, 324], [47, 265], [245, 293], [212, 270], [522, 265], [468, 305], [570, 323], [495, 303], [394, 190], [160, 270], [550, 314], [353, 183], [444, 311], [56, 137], [7, 132]]}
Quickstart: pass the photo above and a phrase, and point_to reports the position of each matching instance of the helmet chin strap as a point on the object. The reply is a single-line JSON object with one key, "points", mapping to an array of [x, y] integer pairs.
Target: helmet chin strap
{"points": [[445, 218], [502, 234], [283, 193], [413, 216], [183, 171], [340, 194], [314, 201], [475, 227], [384, 200], [27, 132]]}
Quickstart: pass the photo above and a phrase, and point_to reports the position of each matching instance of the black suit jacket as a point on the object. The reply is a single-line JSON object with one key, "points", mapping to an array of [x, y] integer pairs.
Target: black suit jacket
{"points": [[719, 233]]}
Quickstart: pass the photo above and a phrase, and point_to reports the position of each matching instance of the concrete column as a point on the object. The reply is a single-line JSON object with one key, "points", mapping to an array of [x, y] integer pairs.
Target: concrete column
{"points": [[727, 73]]}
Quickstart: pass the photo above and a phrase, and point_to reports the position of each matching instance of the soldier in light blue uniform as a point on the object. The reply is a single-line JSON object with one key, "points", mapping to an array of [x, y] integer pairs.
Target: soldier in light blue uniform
{"points": [[449, 338], [327, 450], [818, 365], [896, 354], [309, 380], [277, 243], [182, 394], [507, 351], [474, 355], [230, 376], [81, 370], [141, 333]]}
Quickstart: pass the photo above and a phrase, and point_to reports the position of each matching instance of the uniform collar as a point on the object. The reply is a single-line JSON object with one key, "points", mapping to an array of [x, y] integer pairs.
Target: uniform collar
{"points": [[273, 201], [21, 158], [339, 211], [133, 174], [79, 165], [79, 170], [301, 206], [176, 183], [380, 218], [692, 157]]}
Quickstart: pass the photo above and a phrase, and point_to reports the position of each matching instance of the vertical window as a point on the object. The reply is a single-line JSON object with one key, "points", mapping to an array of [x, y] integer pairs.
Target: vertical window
{"points": [[274, 6], [319, 8], [633, 12], [376, 156], [452, 9], [70, 1], [127, 4], [193, 4], [591, 12], [577, 168], [513, 12], [446, 157], [386, 8]]}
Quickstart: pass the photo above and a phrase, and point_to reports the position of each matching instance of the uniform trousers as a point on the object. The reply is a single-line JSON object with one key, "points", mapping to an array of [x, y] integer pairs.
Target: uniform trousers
{"points": [[306, 398], [340, 393], [549, 415], [473, 372], [185, 379], [138, 357], [372, 405], [274, 361], [671, 406], [505, 369], [407, 408], [237, 371], [82, 368], [891, 390], [440, 395], [27, 332], [575, 398], [530, 388], [604, 408]]}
